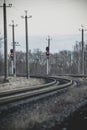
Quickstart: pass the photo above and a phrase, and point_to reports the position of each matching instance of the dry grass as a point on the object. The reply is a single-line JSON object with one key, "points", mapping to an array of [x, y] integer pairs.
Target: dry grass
{"points": [[18, 82], [56, 107]]}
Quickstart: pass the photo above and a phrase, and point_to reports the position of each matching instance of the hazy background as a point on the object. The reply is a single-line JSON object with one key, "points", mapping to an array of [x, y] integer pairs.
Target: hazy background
{"points": [[60, 19]]}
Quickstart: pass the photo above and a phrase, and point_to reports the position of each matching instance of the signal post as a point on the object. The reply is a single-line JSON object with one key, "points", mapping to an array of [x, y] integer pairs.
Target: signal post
{"points": [[48, 54], [12, 51], [11, 56]]}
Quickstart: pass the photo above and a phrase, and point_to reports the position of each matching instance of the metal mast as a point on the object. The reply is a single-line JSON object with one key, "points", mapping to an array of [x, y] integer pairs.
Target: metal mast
{"points": [[26, 37], [5, 40]]}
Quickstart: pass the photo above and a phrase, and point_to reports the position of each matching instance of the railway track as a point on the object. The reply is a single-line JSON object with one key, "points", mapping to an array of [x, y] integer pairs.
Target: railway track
{"points": [[54, 84]]}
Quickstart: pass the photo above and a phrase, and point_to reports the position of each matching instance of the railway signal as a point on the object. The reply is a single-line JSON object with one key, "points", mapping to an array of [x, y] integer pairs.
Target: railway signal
{"points": [[13, 54], [48, 53], [12, 57]]}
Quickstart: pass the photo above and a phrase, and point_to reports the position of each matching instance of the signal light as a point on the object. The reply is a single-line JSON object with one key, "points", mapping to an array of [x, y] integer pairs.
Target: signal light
{"points": [[11, 55], [47, 48], [11, 50], [47, 51]]}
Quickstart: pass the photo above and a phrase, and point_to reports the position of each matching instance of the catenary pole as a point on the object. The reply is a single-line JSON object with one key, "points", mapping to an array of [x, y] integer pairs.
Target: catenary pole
{"points": [[5, 40], [26, 37]]}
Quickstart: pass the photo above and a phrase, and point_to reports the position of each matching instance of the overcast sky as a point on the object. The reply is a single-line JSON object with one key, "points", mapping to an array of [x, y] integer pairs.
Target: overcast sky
{"points": [[60, 19]]}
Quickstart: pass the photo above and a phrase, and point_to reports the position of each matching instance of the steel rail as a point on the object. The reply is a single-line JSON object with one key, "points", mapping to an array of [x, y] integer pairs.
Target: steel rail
{"points": [[25, 89], [36, 92]]}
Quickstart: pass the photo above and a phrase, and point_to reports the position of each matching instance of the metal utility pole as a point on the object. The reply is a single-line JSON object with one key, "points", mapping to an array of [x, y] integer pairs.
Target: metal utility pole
{"points": [[82, 35], [26, 37], [14, 53], [5, 40], [48, 53]]}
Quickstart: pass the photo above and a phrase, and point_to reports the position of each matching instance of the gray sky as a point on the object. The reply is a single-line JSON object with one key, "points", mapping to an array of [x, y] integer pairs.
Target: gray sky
{"points": [[60, 19]]}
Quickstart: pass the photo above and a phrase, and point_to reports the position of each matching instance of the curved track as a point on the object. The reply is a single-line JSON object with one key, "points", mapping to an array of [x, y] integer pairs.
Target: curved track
{"points": [[54, 84]]}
